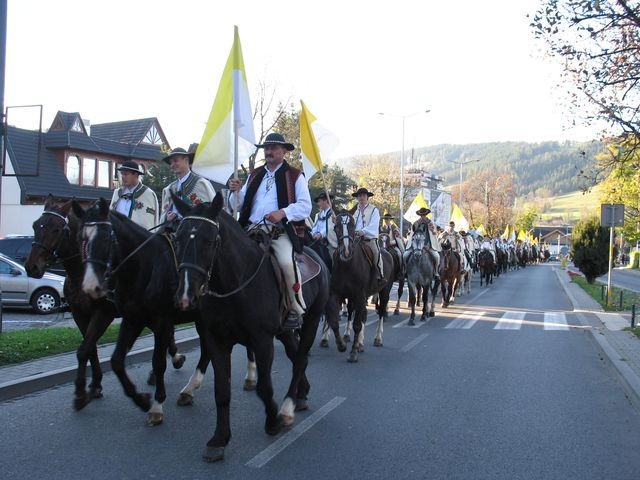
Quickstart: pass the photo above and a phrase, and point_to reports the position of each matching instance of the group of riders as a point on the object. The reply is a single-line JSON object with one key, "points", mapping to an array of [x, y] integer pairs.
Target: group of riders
{"points": [[275, 198]]}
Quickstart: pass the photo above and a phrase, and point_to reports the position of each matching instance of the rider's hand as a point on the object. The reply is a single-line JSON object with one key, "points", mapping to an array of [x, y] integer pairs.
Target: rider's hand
{"points": [[235, 184], [360, 233], [276, 216]]}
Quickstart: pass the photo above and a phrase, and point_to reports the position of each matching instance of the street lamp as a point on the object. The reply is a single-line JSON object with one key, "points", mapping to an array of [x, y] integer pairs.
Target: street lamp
{"points": [[461, 162], [403, 117]]}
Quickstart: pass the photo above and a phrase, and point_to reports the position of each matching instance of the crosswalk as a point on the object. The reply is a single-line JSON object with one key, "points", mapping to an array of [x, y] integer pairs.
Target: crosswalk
{"points": [[509, 320]]}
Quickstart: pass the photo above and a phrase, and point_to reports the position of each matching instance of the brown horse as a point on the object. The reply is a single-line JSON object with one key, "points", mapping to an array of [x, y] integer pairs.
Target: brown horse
{"points": [[354, 278], [450, 276], [398, 267]]}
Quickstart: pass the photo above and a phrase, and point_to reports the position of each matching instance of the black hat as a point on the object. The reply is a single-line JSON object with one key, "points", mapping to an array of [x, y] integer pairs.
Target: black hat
{"points": [[423, 211], [179, 152], [362, 190], [323, 196], [131, 166], [275, 139], [388, 216]]}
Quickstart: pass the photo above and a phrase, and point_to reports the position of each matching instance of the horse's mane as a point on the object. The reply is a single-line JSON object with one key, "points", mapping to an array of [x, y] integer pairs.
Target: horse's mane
{"points": [[136, 229], [227, 222]]}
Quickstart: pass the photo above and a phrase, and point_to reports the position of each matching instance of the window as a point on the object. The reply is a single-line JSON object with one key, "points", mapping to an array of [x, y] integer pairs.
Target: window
{"points": [[73, 169], [88, 171], [104, 174], [152, 137]]}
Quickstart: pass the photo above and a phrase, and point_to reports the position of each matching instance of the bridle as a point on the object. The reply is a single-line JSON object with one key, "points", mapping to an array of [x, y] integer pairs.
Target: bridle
{"points": [[108, 264], [53, 252], [207, 273], [342, 226]]}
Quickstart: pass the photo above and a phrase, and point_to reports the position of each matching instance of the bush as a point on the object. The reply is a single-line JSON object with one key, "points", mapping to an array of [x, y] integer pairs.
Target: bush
{"points": [[590, 248], [634, 261]]}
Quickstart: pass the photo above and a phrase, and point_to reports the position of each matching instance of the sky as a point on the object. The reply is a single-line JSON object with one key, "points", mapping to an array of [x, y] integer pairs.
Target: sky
{"points": [[473, 64]]}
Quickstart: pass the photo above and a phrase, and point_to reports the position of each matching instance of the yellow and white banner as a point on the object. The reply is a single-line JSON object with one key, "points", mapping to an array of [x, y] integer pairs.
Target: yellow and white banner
{"points": [[315, 142]]}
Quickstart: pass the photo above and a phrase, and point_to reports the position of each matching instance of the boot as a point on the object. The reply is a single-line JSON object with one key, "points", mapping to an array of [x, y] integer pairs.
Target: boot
{"points": [[292, 321]]}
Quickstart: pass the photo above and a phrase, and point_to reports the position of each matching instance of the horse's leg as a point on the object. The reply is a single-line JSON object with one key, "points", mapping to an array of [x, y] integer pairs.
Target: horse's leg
{"points": [[360, 312], [346, 337], [264, 361], [250, 378], [129, 332], [425, 303], [162, 338], [177, 359], [186, 394], [332, 317], [412, 303], [324, 335], [383, 303], [221, 360]]}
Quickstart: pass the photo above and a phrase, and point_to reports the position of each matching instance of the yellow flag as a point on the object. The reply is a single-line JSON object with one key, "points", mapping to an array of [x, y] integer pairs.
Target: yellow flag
{"points": [[418, 203], [315, 141]]}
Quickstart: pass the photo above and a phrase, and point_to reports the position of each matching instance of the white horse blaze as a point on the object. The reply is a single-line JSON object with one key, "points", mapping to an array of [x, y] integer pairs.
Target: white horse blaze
{"points": [[184, 297], [287, 412], [252, 372], [90, 281], [194, 383]]}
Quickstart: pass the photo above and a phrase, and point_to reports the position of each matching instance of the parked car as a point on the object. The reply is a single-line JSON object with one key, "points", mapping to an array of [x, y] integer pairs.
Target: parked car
{"points": [[18, 248], [44, 295]]}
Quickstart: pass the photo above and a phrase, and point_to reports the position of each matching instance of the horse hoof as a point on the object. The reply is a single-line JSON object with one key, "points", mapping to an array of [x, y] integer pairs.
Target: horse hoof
{"points": [[411, 322], [302, 404], [249, 385], [346, 338], [96, 392], [213, 454], [144, 401], [151, 379], [80, 402], [377, 342], [185, 399], [154, 418], [179, 362], [423, 318], [324, 343], [342, 347], [432, 314], [353, 358], [396, 311], [273, 427], [360, 348]]}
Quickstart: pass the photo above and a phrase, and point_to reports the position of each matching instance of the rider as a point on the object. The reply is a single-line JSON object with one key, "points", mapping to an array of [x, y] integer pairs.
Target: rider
{"points": [[467, 241], [487, 244], [190, 187], [367, 219], [262, 206], [432, 239], [390, 228], [323, 226], [456, 243], [133, 199]]}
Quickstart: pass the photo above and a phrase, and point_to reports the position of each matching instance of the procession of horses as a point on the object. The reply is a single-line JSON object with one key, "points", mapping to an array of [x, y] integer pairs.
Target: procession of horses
{"points": [[214, 274]]}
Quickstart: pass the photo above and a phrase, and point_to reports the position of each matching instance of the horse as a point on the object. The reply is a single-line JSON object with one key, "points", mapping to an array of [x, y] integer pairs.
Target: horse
{"points": [[355, 278], [420, 273], [450, 276], [141, 265], [487, 266], [232, 280], [399, 273]]}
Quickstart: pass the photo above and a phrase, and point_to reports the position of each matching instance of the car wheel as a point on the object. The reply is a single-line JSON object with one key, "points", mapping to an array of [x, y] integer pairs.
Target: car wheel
{"points": [[45, 300]]}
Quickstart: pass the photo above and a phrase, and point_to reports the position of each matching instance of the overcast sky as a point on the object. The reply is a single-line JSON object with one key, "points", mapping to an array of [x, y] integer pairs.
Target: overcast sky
{"points": [[472, 63]]}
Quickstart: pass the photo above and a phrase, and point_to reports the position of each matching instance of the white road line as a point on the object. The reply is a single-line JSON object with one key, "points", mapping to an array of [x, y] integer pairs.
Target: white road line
{"points": [[555, 321], [510, 321], [404, 322], [413, 343], [292, 435], [466, 320]]}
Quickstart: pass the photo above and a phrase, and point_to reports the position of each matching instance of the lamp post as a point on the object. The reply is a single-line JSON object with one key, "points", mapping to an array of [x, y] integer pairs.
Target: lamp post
{"points": [[461, 162], [403, 117]]}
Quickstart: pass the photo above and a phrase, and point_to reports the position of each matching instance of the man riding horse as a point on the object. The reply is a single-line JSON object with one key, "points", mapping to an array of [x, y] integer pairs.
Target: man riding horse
{"points": [[456, 242], [263, 206], [367, 220], [323, 226], [433, 246]]}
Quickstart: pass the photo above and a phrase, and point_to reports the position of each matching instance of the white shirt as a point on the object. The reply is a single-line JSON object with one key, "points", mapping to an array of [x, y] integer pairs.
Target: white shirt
{"points": [[124, 204], [369, 228], [265, 200], [321, 225], [178, 188]]}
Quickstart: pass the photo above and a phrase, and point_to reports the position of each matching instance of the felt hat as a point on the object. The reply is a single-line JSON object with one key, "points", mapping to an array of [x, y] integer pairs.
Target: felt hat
{"points": [[323, 196], [361, 191], [423, 211], [388, 216], [131, 166], [275, 139], [179, 152]]}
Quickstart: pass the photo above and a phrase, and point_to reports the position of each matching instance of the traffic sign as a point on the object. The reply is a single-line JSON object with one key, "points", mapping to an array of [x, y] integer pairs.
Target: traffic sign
{"points": [[612, 215]]}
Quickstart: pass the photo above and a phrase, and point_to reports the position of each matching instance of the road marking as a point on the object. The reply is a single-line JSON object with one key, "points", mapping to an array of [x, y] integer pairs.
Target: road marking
{"points": [[404, 322], [555, 321], [413, 343], [292, 435], [510, 321], [466, 320]]}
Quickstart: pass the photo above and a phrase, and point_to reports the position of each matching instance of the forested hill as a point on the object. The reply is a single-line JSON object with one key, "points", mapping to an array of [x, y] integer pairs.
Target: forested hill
{"points": [[550, 166]]}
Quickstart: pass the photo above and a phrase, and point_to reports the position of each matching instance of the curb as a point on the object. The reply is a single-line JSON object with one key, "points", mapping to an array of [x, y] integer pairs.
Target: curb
{"points": [[627, 378], [34, 383]]}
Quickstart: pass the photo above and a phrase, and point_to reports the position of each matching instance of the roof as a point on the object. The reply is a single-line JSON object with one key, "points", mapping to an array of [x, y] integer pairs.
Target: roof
{"points": [[128, 131]]}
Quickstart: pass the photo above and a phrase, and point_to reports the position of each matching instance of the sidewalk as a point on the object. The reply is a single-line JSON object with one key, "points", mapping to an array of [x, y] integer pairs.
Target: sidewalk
{"points": [[620, 349]]}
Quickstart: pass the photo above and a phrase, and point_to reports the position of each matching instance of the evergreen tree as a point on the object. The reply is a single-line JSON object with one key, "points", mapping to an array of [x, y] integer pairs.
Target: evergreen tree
{"points": [[590, 248]]}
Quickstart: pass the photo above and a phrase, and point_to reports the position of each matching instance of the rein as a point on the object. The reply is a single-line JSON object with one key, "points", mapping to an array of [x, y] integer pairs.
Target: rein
{"points": [[207, 273], [54, 252]]}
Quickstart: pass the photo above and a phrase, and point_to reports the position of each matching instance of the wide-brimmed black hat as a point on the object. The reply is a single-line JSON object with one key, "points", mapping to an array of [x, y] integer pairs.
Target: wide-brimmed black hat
{"points": [[179, 152], [388, 216], [362, 190], [423, 211], [131, 166], [323, 196], [275, 139]]}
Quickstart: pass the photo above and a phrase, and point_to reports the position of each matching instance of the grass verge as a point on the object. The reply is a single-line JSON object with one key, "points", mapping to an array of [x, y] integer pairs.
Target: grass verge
{"points": [[598, 293]]}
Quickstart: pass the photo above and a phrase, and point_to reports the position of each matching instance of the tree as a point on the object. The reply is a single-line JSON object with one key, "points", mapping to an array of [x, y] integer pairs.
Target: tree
{"points": [[526, 219], [338, 184], [379, 173], [590, 248], [491, 197], [598, 43]]}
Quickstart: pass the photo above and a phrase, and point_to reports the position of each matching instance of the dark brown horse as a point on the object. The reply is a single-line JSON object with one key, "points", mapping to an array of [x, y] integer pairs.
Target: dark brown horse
{"points": [[450, 276], [354, 278], [399, 273], [487, 267], [232, 280]]}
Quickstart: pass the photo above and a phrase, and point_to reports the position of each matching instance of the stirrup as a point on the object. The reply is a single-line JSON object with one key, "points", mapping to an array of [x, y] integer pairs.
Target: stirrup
{"points": [[292, 321]]}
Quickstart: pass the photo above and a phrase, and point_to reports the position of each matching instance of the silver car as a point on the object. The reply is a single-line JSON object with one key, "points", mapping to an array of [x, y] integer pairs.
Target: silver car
{"points": [[45, 295]]}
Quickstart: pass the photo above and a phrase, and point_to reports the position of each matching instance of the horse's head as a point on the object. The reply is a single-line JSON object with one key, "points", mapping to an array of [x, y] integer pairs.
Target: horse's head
{"points": [[345, 231], [418, 240], [384, 240], [51, 237], [97, 240], [197, 240]]}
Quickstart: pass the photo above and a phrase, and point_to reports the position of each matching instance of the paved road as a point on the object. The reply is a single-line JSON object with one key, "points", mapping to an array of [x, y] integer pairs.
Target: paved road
{"points": [[505, 385]]}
